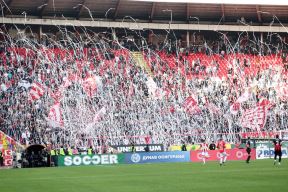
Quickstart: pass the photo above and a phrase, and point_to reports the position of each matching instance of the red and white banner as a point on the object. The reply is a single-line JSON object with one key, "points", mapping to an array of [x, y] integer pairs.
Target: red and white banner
{"points": [[131, 90], [235, 107], [100, 114], [255, 118], [190, 105], [266, 103], [90, 86], [214, 155], [213, 108], [282, 91], [153, 90], [55, 116], [56, 95], [37, 91], [259, 135]]}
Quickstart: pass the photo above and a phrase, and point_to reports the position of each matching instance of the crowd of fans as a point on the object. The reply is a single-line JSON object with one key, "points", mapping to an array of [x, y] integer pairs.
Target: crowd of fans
{"points": [[125, 103]]}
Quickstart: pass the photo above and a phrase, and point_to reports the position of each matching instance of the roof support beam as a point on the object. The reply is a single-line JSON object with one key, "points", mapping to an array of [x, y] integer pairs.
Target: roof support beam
{"points": [[223, 12], [117, 9], [80, 8], [152, 11], [6, 8], [41, 8], [187, 12], [258, 14], [141, 26]]}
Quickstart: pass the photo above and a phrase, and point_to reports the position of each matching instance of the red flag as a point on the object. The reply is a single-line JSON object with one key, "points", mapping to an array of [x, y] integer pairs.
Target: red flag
{"points": [[266, 103], [235, 107], [147, 139], [190, 105], [282, 91], [37, 91], [213, 108], [159, 94], [131, 90], [57, 95], [55, 116]]}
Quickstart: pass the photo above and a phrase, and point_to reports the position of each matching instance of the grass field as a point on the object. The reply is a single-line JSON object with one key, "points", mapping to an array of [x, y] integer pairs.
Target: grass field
{"points": [[177, 177]]}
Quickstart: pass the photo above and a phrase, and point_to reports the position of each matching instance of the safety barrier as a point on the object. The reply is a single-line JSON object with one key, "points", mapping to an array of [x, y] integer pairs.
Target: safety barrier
{"points": [[150, 157]]}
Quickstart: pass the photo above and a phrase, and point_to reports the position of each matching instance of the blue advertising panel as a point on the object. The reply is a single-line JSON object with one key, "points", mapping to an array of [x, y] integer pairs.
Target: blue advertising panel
{"points": [[264, 152], [157, 157]]}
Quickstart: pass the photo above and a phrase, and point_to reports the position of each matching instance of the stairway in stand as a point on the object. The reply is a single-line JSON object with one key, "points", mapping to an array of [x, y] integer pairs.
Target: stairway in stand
{"points": [[140, 61]]}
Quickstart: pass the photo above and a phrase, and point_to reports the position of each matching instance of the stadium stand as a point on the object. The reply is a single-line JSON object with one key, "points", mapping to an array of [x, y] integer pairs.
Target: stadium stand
{"points": [[83, 87]]}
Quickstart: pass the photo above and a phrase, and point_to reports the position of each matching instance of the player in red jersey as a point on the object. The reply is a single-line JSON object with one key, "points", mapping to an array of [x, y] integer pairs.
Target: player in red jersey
{"points": [[221, 145], [204, 149], [277, 149]]}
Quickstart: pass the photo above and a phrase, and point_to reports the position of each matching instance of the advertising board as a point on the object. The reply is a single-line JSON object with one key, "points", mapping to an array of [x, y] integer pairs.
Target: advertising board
{"points": [[77, 160], [214, 155], [264, 152], [138, 148], [157, 157]]}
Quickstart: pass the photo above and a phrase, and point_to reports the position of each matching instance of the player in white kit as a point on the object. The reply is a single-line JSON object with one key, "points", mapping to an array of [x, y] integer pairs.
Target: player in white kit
{"points": [[204, 148]]}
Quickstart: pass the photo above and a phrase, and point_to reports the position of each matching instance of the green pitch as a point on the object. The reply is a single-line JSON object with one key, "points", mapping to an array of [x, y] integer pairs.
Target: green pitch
{"points": [[235, 176]]}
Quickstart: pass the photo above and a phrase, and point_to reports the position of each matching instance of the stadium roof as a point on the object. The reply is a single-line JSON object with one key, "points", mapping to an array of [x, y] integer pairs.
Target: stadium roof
{"points": [[242, 2], [148, 10]]}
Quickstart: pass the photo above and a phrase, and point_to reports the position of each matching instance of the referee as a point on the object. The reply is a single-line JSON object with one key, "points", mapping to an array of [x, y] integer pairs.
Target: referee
{"points": [[248, 149]]}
